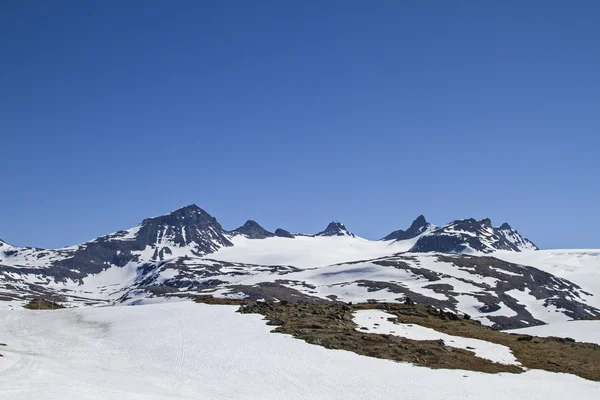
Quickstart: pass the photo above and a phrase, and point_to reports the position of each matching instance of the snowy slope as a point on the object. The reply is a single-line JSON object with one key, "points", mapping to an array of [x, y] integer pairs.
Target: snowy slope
{"points": [[179, 351], [307, 251], [579, 266], [582, 331]]}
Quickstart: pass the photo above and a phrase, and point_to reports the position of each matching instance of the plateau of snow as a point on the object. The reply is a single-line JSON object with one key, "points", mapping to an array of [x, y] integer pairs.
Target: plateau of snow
{"points": [[308, 251]]}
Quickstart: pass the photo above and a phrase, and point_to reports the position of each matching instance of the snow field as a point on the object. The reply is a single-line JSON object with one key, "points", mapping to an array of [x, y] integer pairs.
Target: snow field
{"points": [[193, 351]]}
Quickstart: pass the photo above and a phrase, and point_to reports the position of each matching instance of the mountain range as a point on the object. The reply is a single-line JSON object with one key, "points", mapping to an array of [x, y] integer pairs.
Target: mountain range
{"points": [[459, 266]]}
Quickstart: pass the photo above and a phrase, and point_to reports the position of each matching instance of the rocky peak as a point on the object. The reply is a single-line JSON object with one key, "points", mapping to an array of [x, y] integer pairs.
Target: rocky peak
{"points": [[472, 236], [418, 226], [283, 233], [252, 230], [181, 227], [505, 227], [335, 228], [188, 215]]}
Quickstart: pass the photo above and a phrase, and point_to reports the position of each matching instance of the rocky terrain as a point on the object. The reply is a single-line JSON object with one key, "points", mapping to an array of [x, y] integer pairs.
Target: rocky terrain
{"points": [[187, 253], [332, 325]]}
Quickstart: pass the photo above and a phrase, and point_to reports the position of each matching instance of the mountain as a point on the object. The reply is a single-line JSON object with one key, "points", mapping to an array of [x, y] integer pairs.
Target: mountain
{"points": [[283, 233], [335, 228], [252, 230], [188, 231], [472, 236], [419, 226], [187, 253]]}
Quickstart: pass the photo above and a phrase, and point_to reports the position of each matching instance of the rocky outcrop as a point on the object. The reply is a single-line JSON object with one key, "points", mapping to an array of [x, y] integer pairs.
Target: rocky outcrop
{"points": [[419, 226]]}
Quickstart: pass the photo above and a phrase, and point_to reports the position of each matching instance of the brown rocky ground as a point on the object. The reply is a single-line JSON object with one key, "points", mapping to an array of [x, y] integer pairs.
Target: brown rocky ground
{"points": [[42, 304], [330, 324]]}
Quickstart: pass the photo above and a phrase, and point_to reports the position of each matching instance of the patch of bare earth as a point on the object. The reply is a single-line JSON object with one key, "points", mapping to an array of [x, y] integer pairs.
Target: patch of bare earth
{"points": [[330, 324], [42, 304]]}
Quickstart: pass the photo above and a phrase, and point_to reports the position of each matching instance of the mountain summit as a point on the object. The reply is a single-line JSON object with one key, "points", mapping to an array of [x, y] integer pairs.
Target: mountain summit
{"points": [[252, 230], [335, 228], [187, 253], [471, 236], [418, 226]]}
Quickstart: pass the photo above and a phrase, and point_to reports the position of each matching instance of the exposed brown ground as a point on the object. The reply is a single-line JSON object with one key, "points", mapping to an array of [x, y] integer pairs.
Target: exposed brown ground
{"points": [[330, 325], [42, 304]]}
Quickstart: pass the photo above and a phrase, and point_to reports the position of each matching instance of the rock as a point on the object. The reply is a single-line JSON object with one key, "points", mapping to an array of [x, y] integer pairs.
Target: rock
{"points": [[252, 230], [283, 233], [347, 317], [408, 302], [451, 316], [276, 322], [553, 362], [567, 339], [526, 338]]}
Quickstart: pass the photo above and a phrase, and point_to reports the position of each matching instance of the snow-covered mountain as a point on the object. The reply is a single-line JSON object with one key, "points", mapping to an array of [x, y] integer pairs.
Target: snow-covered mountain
{"points": [[335, 228], [471, 236], [187, 252]]}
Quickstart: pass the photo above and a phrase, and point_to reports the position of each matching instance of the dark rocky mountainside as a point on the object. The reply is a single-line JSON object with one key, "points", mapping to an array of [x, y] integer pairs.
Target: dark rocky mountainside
{"points": [[283, 233], [252, 230], [335, 228], [470, 235], [419, 226]]}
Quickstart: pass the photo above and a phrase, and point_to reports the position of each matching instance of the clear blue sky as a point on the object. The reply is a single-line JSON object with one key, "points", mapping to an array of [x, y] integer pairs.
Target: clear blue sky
{"points": [[297, 113]]}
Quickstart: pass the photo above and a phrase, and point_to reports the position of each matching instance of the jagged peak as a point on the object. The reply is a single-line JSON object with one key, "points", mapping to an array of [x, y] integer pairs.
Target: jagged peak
{"points": [[486, 222], [418, 223], [191, 211], [418, 226], [189, 207], [253, 230], [335, 228], [471, 235]]}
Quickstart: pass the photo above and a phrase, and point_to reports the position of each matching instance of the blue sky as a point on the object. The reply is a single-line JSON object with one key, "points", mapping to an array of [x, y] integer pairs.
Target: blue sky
{"points": [[297, 113]]}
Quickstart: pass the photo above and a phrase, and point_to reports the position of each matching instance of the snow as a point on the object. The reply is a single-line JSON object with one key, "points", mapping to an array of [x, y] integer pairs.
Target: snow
{"points": [[308, 251], [490, 351], [503, 271], [129, 234], [547, 314], [32, 257], [430, 261], [582, 331], [190, 351], [579, 266]]}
